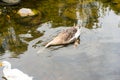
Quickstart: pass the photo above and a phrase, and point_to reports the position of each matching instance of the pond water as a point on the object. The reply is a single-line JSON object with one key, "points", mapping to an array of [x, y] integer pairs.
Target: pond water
{"points": [[95, 58]]}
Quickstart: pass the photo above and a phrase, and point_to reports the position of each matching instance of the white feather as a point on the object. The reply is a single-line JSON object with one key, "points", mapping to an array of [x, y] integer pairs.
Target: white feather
{"points": [[13, 74]]}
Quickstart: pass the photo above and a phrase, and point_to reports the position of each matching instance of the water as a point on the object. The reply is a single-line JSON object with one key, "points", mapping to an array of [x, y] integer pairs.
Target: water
{"points": [[96, 58]]}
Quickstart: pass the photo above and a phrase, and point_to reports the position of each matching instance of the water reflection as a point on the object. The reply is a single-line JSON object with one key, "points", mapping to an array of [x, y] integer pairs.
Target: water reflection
{"points": [[12, 42], [19, 34], [97, 56]]}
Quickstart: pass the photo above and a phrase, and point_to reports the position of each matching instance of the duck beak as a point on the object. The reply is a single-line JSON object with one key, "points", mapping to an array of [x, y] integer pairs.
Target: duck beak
{"points": [[0, 64]]}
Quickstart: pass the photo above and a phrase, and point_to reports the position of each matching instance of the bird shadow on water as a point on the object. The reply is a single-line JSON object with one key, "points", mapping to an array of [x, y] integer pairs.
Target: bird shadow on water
{"points": [[46, 51], [49, 52]]}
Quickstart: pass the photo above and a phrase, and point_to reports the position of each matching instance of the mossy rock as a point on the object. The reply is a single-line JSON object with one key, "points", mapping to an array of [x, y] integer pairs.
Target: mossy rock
{"points": [[29, 20]]}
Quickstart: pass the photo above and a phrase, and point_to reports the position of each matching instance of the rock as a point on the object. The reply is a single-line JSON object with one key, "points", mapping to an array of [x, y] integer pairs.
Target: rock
{"points": [[23, 12], [26, 35], [11, 1], [28, 20]]}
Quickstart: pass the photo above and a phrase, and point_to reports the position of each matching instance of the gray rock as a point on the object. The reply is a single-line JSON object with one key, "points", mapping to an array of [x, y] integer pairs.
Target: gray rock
{"points": [[11, 1]]}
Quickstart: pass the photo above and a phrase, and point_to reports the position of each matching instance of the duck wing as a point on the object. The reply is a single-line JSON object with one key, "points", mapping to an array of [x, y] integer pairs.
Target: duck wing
{"points": [[66, 35], [63, 37]]}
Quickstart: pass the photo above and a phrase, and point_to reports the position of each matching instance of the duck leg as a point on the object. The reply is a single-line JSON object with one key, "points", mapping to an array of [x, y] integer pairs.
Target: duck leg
{"points": [[77, 41]]}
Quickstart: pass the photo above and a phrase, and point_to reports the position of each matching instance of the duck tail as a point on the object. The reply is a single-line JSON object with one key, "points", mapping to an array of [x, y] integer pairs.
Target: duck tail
{"points": [[47, 45]]}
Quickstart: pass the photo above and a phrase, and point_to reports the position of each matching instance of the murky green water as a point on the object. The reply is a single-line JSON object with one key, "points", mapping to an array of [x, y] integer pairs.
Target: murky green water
{"points": [[97, 56]]}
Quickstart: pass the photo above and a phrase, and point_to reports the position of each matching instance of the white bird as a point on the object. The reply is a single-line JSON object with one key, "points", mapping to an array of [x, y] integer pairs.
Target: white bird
{"points": [[13, 74]]}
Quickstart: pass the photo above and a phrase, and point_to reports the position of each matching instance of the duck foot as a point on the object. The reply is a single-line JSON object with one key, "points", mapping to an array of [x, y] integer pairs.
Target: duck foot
{"points": [[77, 42]]}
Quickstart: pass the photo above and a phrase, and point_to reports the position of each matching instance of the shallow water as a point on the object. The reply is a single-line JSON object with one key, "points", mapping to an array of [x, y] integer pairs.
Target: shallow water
{"points": [[95, 58]]}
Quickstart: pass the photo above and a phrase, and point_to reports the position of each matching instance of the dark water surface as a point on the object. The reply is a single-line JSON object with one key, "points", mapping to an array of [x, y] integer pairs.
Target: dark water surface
{"points": [[96, 58]]}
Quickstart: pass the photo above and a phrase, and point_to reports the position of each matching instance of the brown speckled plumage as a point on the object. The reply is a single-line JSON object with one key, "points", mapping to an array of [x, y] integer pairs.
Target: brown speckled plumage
{"points": [[63, 37]]}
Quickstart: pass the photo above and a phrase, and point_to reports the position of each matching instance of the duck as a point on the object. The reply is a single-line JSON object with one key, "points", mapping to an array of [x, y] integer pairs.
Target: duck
{"points": [[13, 74], [70, 35]]}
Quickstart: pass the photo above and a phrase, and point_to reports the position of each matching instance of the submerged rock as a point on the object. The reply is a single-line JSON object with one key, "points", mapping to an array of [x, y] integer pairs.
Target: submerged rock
{"points": [[23, 12], [11, 1], [26, 35]]}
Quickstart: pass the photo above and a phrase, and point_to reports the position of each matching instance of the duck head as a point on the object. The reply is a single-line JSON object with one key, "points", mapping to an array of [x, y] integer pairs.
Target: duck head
{"points": [[4, 63]]}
